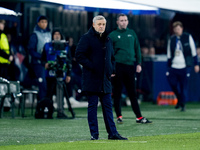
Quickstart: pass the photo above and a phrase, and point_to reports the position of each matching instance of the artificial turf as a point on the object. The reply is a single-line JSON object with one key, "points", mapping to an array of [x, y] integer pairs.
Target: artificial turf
{"points": [[171, 129]]}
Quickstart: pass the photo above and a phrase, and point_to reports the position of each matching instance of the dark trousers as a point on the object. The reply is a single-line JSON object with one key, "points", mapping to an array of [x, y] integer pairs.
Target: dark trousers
{"points": [[39, 71], [56, 87], [51, 87], [178, 80], [106, 103], [4, 71], [125, 75]]}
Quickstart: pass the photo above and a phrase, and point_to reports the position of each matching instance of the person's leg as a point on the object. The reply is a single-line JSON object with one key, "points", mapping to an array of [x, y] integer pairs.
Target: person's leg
{"points": [[106, 102], [51, 87], [183, 80], [41, 80], [117, 90], [173, 82], [108, 118], [69, 88], [59, 95], [129, 82], [92, 115]]}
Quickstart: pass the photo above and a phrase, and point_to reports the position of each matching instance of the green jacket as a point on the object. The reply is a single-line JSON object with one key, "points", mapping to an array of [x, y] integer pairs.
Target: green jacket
{"points": [[126, 46]]}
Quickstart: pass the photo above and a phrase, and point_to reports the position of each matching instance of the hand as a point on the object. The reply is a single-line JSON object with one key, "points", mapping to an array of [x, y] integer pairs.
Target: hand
{"points": [[196, 68], [46, 66], [138, 68], [112, 75], [67, 79], [10, 58]]}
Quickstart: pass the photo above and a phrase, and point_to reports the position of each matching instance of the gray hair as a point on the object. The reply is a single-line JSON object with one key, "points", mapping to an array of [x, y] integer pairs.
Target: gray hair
{"points": [[99, 17]]}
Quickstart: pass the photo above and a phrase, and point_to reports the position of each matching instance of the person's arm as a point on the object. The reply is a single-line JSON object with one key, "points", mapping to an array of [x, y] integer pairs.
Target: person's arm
{"points": [[81, 54], [32, 46], [44, 57], [138, 54], [169, 59], [4, 54], [193, 50], [194, 53], [113, 62], [137, 50]]}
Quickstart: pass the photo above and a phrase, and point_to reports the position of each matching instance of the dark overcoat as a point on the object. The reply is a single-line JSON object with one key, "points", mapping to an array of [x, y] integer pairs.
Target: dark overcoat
{"points": [[95, 54]]}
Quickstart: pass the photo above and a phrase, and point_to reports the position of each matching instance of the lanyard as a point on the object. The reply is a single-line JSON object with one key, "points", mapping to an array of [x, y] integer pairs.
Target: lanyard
{"points": [[178, 44]]}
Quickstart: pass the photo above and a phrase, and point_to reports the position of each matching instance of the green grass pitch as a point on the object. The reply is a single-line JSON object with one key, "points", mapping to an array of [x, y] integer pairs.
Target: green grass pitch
{"points": [[171, 130]]}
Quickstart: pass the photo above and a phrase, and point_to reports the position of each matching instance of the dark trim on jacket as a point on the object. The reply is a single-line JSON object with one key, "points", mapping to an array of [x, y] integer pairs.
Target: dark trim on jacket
{"points": [[184, 38]]}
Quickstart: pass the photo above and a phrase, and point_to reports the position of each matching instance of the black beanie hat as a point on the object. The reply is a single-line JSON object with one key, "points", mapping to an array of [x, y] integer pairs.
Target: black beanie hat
{"points": [[41, 18], [57, 30]]}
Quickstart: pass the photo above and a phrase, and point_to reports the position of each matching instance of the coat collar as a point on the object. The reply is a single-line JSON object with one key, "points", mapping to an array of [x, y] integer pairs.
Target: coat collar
{"points": [[95, 33], [122, 30]]}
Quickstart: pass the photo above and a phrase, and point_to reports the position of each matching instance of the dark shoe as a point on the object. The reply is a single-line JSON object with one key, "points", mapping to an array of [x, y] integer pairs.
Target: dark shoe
{"points": [[143, 121], [119, 121], [182, 108], [177, 106], [117, 137], [62, 116]]}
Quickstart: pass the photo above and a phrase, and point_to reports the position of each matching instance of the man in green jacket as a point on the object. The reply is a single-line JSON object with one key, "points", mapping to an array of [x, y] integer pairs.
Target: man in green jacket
{"points": [[128, 61]]}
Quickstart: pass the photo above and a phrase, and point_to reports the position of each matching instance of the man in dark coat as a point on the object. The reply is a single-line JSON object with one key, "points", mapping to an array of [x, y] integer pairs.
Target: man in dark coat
{"points": [[38, 38], [95, 53]]}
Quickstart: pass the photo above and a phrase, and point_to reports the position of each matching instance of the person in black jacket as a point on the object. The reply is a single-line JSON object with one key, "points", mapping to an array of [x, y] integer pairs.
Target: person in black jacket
{"points": [[95, 53], [182, 56]]}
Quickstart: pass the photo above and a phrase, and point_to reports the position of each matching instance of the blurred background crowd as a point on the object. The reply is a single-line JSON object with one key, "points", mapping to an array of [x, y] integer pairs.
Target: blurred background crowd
{"points": [[152, 28]]}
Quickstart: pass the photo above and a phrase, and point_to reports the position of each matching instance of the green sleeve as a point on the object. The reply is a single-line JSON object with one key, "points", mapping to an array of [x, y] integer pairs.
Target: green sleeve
{"points": [[137, 49]]}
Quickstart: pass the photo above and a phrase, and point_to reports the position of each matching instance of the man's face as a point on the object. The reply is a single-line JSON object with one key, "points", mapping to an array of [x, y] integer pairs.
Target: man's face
{"points": [[57, 36], [100, 26], [2, 26], [122, 22], [178, 30], [43, 24]]}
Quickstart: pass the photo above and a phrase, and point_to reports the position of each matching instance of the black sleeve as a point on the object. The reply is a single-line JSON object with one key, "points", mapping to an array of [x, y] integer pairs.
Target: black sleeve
{"points": [[44, 57], [113, 62], [82, 52], [4, 54]]}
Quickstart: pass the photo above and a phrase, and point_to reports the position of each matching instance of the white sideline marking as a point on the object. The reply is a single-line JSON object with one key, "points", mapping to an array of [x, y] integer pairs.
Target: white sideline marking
{"points": [[117, 140]]}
